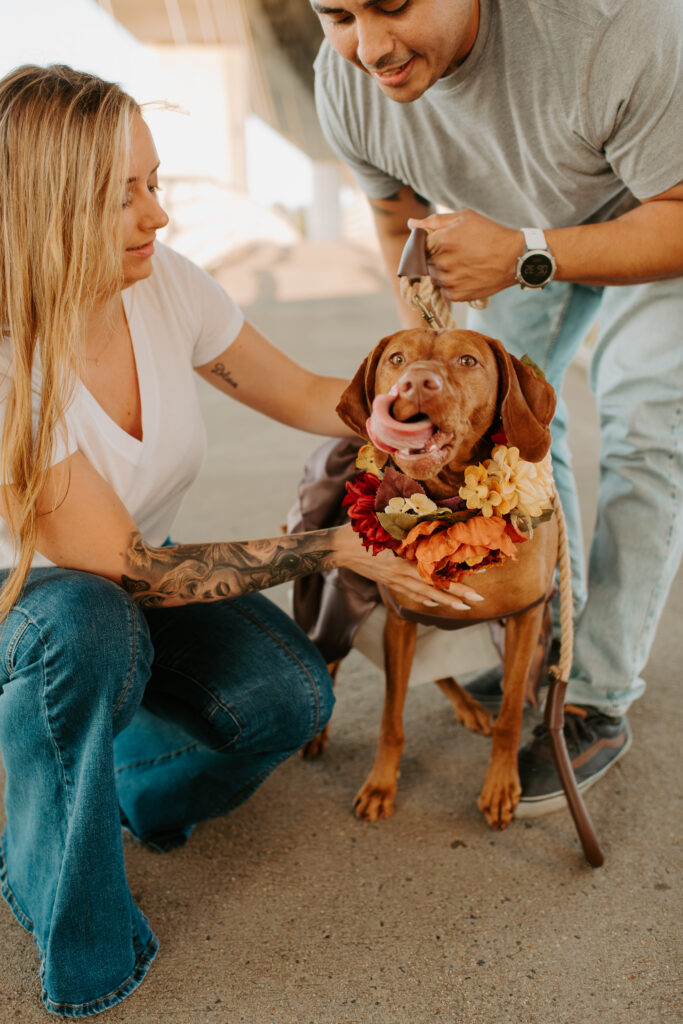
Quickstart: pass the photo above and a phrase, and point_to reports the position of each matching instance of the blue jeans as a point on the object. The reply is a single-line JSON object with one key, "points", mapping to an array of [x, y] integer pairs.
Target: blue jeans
{"points": [[636, 377], [157, 719]]}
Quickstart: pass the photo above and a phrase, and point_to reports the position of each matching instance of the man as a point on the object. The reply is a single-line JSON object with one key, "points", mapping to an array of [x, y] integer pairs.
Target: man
{"points": [[554, 130]]}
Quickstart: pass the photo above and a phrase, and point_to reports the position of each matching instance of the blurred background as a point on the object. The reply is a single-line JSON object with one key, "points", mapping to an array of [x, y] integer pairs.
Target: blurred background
{"points": [[229, 85]]}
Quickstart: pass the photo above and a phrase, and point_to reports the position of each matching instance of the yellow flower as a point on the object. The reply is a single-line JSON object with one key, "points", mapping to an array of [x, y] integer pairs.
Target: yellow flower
{"points": [[423, 505], [397, 504], [535, 487], [417, 504], [525, 487], [369, 460], [477, 491]]}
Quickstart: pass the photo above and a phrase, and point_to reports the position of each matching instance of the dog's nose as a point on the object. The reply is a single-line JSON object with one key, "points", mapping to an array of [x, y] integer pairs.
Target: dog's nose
{"points": [[417, 383]]}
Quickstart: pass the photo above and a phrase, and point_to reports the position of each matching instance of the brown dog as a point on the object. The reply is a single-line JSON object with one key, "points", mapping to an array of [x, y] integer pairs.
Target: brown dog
{"points": [[465, 383]]}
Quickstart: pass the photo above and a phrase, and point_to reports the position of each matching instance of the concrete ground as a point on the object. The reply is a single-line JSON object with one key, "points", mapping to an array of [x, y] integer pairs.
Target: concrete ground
{"points": [[290, 910]]}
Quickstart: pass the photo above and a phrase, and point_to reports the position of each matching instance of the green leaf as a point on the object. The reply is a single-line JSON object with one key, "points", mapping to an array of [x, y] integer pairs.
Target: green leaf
{"points": [[528, 361]]}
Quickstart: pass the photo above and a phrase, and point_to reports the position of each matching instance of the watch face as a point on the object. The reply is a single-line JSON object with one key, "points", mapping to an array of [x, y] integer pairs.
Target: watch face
{"points": [[536, 269]]}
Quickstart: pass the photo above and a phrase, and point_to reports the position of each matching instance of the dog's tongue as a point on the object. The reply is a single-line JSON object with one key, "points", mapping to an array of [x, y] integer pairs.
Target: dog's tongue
{"points": [[389, 434]]}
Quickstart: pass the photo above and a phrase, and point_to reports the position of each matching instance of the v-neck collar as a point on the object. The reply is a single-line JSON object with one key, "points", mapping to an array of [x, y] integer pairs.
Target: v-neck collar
{"points": [[125, 444]]}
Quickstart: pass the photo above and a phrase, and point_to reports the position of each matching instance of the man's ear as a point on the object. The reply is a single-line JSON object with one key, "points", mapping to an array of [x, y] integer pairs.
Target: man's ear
{"points": [[527, 404], [355, 404]]}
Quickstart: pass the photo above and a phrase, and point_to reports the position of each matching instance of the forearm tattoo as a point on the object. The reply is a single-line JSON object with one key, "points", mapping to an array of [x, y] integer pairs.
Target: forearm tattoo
{"points": [[185, 573], [219, 370]]}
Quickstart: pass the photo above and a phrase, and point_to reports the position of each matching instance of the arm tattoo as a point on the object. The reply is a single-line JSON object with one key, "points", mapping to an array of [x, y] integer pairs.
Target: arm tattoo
{"points": [[220, 371], [185, 573]]}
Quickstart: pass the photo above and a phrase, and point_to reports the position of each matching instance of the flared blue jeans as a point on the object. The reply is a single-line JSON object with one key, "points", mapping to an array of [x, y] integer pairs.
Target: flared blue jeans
{"points": [[636, 375], [155, 719]]}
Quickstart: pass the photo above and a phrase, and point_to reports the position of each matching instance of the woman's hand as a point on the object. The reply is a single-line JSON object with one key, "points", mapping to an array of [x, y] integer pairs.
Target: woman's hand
{"points": [[470, 256], [397, 573]]}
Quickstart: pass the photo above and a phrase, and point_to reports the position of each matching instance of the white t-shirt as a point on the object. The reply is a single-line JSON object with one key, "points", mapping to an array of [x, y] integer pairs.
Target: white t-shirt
{"points": [[179, 318]]}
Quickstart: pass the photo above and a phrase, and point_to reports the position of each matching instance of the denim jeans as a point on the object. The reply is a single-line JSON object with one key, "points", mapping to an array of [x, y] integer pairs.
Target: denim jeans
{"points": [[636, 376], [157, 719]]}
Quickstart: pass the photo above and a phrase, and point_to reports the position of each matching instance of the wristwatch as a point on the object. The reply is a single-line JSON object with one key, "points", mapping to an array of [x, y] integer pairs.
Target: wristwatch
{"points": [[536, 266]]}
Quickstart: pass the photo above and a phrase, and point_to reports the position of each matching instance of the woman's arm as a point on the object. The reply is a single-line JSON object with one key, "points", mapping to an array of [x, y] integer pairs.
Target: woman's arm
{"points": [[259, 375], [83, 525]]}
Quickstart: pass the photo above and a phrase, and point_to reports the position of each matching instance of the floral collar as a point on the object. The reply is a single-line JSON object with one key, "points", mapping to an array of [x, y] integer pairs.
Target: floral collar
{"points": [[497, 507]]}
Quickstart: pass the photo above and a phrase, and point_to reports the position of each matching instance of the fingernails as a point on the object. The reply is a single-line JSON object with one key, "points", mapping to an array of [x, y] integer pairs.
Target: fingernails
{"points": [[472, 596], [460, 606], [430, 604]]}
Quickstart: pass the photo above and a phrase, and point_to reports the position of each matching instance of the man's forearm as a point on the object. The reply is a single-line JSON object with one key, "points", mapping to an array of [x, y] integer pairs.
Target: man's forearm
{"points": [[391, 223], [645, 244]]}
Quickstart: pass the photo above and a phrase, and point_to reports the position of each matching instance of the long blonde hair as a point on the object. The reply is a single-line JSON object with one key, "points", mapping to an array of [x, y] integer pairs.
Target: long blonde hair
{"points": [[64, 142]]}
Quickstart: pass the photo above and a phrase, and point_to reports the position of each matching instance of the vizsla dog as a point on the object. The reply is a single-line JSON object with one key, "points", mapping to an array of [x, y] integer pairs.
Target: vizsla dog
{"points": [[460, 385]]}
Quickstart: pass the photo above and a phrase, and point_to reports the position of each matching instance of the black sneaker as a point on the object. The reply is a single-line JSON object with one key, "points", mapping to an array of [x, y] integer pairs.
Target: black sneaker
{"points": [[487, 686], [594, 741]]}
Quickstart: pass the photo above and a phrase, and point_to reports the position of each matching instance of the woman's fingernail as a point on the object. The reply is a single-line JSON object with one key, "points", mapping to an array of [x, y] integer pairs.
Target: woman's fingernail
{"points": [[432, 604], [460, 606], [471, 596]]}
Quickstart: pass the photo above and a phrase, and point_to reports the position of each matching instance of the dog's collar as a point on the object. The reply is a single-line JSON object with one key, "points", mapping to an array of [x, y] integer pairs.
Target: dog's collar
{"points": [[500, 503]]}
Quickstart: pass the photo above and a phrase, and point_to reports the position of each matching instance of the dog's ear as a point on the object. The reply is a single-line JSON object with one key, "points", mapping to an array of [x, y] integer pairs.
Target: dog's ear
{"points": [[527, 404], [355, 404]]}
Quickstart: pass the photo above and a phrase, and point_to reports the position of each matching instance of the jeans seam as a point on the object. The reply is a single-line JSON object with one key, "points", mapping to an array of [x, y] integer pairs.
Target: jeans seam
{"points": [[207, 689], [51, 733], [134, 644], [675, 517], [150, 761], [14, 643]]}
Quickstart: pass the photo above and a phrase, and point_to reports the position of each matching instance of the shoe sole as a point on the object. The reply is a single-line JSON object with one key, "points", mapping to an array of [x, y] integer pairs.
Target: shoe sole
{"points": [[536, 807]]}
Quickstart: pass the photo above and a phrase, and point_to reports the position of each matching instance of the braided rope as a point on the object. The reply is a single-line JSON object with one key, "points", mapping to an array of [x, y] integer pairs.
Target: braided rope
{"points": [[562, 670], [422, 292]]}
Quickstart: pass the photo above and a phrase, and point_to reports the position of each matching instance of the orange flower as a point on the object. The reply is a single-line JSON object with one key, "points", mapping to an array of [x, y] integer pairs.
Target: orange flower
{"points": [[461, 546]]}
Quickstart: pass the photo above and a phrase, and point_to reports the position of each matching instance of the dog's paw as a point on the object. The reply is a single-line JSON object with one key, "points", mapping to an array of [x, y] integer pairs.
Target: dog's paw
{"points": [[374, 801], [499, 798], [475, 718], [468, 710], [316, 746]]}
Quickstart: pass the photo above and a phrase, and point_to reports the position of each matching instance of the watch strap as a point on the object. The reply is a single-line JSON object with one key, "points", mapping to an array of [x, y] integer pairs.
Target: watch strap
{"points": [[534, 238]]}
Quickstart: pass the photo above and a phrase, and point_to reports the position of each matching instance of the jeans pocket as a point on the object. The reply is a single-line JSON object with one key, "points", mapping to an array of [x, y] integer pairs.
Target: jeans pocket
{"points": [[194, 707], [9, 641]]}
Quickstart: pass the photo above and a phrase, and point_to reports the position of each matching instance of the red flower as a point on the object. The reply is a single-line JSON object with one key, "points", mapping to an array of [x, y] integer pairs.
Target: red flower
{"points": [[499, 437], [360, 501]]}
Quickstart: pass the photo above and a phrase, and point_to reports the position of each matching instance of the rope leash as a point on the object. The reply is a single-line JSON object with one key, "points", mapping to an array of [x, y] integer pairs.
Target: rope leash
{"points": [[418, 290]]}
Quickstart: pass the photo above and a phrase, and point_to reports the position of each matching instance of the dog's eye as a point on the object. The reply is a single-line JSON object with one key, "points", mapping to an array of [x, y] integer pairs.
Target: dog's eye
{"points": [[397, 359], [467, 361]]}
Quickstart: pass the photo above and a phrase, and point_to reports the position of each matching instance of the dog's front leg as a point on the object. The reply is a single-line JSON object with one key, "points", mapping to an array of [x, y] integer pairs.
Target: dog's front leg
{"points": [[375, 799], [501, 791]]}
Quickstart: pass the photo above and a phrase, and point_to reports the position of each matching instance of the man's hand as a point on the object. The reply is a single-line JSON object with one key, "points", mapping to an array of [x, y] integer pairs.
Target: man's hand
{"points": [[470, 256]]}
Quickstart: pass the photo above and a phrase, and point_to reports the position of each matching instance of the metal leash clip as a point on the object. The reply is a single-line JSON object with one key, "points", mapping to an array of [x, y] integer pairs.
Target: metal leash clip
{"points": [[413, 266]]}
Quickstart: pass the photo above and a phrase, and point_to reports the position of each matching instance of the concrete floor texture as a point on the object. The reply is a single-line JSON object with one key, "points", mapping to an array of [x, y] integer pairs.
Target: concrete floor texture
{"points": [[292, 911]]}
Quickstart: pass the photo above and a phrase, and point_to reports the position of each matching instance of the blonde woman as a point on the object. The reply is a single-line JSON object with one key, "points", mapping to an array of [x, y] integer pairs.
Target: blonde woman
{"points": [[140, 681]]}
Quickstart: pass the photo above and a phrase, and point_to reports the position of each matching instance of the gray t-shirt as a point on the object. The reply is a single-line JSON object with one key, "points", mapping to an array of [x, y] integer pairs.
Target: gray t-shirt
{"points": [[562, 113]]}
